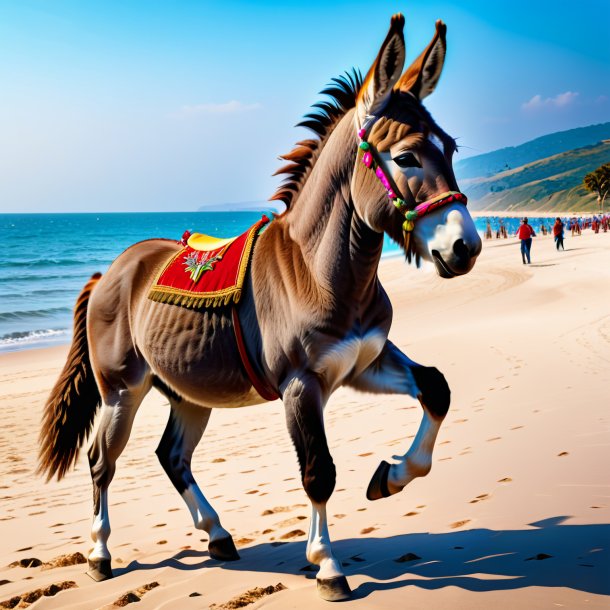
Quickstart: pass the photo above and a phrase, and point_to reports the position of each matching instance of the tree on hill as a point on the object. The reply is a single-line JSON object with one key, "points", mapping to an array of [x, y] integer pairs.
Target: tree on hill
{"points": [[598, 182]]}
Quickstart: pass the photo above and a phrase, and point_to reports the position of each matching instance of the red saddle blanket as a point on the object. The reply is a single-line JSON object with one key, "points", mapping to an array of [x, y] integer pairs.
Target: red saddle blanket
{"points": [[200, 277]]}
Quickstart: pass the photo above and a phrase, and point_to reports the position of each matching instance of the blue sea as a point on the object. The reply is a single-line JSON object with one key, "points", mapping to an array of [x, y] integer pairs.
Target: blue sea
{"points": [[45, 260]]}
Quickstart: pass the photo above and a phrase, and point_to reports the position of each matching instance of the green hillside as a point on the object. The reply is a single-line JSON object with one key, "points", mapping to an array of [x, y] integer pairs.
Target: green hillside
{"points": [[500, 160], [552, 183]]}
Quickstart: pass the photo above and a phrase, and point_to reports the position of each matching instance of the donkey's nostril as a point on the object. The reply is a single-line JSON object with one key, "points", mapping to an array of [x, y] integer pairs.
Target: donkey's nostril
{"points": [[461, 251]]}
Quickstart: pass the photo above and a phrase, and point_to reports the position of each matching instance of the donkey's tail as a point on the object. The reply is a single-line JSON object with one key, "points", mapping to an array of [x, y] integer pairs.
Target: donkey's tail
{"points": [[70, 409]]}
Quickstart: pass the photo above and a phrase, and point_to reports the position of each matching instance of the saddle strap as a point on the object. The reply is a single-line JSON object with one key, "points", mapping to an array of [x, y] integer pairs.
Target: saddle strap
{"points": [[259, 384]]}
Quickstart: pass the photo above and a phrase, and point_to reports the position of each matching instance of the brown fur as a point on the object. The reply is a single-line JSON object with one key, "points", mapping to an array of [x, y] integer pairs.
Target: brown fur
{"points": [[74, 400]]}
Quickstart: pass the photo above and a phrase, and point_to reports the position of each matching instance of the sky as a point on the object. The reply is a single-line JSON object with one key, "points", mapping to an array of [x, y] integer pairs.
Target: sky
{"points": [[169, 106]]}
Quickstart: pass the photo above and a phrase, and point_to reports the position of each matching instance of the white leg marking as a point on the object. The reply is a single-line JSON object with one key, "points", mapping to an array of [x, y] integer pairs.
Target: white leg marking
{"points": [[417, 461], [319, 551], [100, 530], [204, 516]]}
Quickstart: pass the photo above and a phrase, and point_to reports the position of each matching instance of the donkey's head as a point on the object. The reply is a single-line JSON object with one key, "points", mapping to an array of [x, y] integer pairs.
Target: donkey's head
{"points": [[403, 149]]}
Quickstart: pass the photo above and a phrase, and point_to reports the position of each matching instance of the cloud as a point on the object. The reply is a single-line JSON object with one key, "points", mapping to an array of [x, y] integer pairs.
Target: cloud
{"points": [[232, 107], [561, 100]]}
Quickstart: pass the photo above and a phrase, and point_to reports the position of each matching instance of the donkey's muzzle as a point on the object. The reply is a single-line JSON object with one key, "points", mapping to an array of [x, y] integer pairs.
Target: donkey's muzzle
{"points": [[460, 259]]}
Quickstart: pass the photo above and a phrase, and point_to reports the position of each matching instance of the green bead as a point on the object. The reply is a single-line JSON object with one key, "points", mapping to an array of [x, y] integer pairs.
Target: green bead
{"points": [[364, 145], [411, 215]]}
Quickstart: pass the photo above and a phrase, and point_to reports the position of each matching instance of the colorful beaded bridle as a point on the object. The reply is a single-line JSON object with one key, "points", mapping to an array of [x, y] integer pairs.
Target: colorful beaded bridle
{"points": [[411, 215]]}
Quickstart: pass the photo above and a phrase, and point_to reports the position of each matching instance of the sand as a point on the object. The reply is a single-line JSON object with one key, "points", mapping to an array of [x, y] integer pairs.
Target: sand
{"points": [[515, 513]]}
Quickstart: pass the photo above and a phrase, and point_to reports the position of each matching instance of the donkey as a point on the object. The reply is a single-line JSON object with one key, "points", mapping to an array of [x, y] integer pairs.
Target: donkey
{"points": [[313, 314]]}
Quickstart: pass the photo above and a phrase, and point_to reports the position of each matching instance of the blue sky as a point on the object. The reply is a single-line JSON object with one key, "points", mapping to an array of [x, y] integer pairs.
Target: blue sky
{"points": [[145, 106]]}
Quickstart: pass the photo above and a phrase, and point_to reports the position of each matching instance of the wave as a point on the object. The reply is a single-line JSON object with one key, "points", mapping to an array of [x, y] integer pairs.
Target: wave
{"points": [[82, 277], [6, 316], [54, 262], [25, 338]]}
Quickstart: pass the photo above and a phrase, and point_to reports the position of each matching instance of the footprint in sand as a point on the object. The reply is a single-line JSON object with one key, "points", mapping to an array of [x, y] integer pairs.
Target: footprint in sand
{"points": [[505, 480], [71, 559], [368, 530], [25, 599], [457, 524], [562, 454], [411, 513], [243, 541], [291, 521], [249, 597], [292, 534], [281, 509], [480, 498], [494, 438], [27, 562], [135, 596]]}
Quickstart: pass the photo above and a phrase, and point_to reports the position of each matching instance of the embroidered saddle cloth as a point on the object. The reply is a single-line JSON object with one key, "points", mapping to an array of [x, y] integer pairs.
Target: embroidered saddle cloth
{"points": [[207, 272]]}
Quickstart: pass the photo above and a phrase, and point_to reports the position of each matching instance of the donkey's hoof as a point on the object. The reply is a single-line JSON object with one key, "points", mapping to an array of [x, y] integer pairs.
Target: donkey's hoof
{"points": [[378, 487], [223, 549], [334, 589], [99, 569]]}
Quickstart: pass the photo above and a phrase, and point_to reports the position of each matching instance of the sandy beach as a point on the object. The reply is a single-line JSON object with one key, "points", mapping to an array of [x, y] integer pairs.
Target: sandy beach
{"points": [[514, 514]]}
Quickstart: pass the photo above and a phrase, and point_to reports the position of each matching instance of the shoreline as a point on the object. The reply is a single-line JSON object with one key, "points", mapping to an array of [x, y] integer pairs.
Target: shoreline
{"points": [[536, 214]]}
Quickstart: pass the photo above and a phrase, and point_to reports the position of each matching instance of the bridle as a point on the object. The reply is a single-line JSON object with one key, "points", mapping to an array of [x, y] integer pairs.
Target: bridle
{"points": [[369, 155]]}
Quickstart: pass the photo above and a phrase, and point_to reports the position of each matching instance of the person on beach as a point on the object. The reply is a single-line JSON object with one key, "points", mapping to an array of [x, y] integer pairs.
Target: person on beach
{"points": [[558, 233], [525, 234]]}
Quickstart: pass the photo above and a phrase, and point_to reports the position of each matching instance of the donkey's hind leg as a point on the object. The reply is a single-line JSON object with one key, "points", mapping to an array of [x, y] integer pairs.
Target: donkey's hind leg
{"points": [[186, 425], [394, 373], [118, 413]]}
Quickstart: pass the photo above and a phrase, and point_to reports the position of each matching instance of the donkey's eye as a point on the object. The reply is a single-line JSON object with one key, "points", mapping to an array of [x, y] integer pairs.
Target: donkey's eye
{"points": [[406, 160]]}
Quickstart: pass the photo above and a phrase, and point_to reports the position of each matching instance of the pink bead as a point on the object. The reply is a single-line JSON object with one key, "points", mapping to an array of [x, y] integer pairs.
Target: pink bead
{"points": [[391, 194], [382, 177], [361, 133], [367, 158]]}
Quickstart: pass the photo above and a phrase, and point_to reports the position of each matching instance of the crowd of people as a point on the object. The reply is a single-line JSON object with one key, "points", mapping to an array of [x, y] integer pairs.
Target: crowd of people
{"points": [[525, 232]]}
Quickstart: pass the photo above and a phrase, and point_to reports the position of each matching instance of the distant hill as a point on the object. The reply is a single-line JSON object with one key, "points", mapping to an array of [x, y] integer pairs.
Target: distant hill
{"points": [[551, 182], [500, 160], [243, 206]]}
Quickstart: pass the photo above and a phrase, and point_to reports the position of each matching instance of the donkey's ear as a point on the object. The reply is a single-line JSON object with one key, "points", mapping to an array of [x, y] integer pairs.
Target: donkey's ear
{"points": [[421, 77], [384, 73]]}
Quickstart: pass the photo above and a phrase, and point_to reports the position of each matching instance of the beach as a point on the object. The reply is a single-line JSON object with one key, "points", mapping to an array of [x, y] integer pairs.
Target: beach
{"points": [[514, 514]]}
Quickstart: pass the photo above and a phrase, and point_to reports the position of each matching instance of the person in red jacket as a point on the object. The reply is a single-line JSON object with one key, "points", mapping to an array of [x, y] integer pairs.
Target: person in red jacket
{"points": [[558, 233], [525, 234]]}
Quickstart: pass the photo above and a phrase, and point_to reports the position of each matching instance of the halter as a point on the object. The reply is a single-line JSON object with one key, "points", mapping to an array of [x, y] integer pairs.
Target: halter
{"points": [[411, 215]]}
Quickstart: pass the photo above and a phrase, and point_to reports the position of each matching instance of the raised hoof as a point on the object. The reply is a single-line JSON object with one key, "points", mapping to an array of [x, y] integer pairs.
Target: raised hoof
{"points": [[334, 589], [378, 487], [99, 569], [223, 549]]}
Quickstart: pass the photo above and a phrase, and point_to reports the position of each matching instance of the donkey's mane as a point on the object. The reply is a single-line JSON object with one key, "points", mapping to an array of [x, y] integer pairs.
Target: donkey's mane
{"points": [[343, 93]]}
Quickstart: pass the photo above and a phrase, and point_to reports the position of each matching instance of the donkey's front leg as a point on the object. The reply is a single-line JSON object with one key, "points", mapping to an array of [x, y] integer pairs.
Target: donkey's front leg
{"points": [[304, 402], [395, 373]]}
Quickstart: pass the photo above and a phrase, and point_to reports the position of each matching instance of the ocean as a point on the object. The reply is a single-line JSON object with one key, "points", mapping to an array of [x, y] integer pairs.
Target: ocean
{"points": [[47, 258]]}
